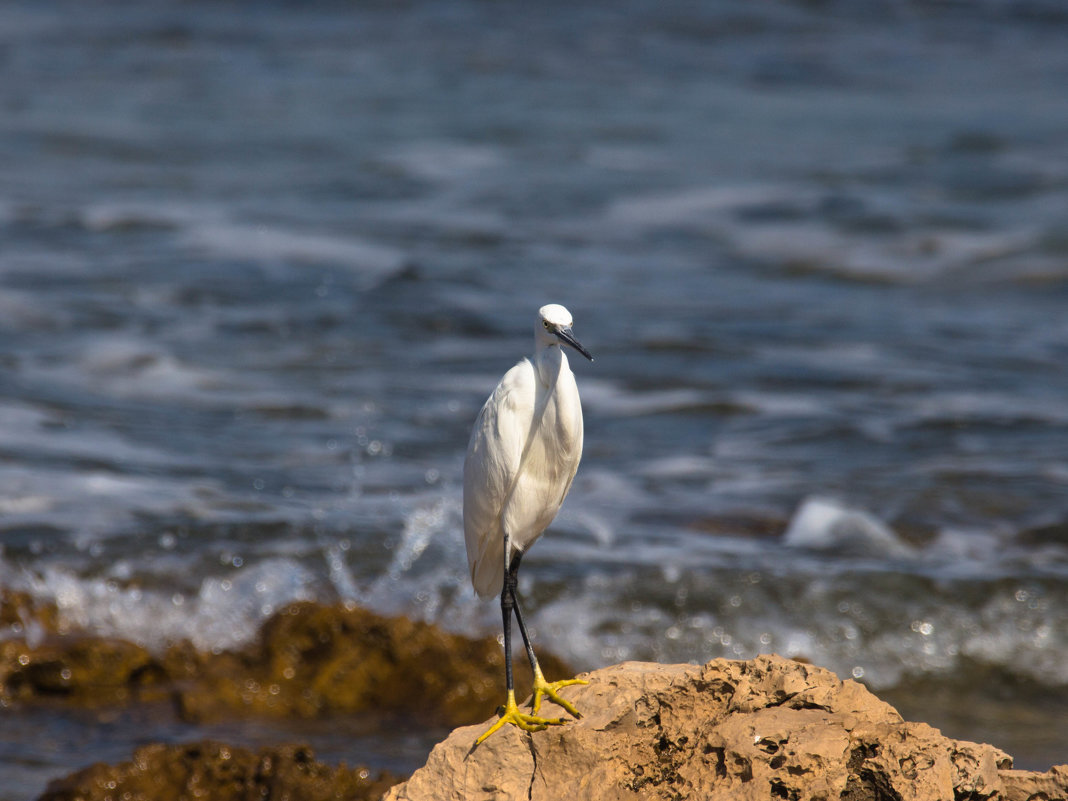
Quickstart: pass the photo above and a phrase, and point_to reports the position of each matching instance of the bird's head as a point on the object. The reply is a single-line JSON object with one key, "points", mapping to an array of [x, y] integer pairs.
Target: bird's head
{"points": [[554, 328]]}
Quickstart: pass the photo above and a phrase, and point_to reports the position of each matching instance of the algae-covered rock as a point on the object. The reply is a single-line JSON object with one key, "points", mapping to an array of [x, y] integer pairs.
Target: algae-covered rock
{"points": [[82, 670], [42, 660], [313, 660], [219, 772], [309, 660], [23, 614]]}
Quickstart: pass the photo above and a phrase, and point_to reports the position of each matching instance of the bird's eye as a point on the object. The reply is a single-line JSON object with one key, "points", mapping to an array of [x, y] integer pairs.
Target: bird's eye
{"points": [[548, 325]]}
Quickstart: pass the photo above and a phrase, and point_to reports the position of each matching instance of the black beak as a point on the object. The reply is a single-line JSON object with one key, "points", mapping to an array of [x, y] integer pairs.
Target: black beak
{"points": [[565, 336]]}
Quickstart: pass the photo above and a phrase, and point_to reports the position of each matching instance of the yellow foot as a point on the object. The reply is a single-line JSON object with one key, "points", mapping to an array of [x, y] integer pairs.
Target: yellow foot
{"points": [[511, 714], [549, 690]]}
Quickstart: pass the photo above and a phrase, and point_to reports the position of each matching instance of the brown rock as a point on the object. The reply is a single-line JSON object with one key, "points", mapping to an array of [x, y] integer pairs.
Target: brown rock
{"points": [[315, 660], [766, 728], [20, 611], [219, 772], [82, 670], [310, 660]]}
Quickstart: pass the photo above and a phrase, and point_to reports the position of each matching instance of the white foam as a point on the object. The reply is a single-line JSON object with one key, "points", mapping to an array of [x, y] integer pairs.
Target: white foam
{"points": [[634, 598], [120, 365], [824, 524], [782, 404], [209, 229], [444, 161], [261, 242], [916, 256], [957, 546], [598, 527], [117, 365], [808, 240], [225, 611], [679, 467], [858, 625], [111, 214], [427, 574], [702, 206], [985, 406], [89, 507], [608, 399]]}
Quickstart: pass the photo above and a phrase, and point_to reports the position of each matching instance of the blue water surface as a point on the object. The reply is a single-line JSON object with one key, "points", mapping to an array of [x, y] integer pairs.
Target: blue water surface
{"points": [[261, 263]]}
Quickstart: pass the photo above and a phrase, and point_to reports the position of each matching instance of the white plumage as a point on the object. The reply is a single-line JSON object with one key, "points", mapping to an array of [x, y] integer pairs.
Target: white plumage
{"points": [[523, 453]]}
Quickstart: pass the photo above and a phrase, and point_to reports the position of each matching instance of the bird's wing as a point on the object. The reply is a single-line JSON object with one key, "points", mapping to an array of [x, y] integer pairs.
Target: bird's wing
{"points": [[494, 455], [550, 458]]}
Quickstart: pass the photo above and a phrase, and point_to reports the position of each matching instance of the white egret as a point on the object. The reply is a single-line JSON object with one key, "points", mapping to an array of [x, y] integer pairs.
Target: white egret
{"points": [[522, 457]]}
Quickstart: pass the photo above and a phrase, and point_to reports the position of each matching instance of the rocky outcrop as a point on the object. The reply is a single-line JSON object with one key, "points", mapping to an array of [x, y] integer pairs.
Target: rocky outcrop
{"points": [[313, 660], [309, 660], [767, 728], [219, 772]]}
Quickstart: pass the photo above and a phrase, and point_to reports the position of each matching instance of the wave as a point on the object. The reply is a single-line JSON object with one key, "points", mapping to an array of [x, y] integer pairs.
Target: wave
{"points": [[797, 228], [210, 231], [374, 262], [599, 588]]}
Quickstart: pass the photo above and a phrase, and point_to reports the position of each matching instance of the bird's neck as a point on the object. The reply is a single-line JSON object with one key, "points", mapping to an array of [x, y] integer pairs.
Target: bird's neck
{"points": [[550, 361]]}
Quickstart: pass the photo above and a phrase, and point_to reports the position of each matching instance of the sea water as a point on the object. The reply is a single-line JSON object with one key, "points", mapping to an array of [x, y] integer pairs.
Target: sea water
{"points": [[260, 264]]}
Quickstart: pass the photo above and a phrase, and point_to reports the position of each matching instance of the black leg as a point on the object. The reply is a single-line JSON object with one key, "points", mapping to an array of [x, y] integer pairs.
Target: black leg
{"points": [[541, 687], [510, 712], [507, 604], [513, 580]]}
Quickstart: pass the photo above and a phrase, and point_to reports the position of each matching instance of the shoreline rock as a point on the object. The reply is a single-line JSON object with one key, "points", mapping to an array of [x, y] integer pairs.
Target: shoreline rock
{"points": [[209, 769], [309, 660], [765, 728]]}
